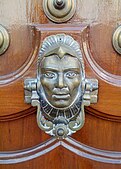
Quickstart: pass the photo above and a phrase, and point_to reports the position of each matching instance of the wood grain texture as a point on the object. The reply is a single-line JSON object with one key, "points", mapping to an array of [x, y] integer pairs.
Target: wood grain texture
{"points": [[18, 127], [19, 62]]}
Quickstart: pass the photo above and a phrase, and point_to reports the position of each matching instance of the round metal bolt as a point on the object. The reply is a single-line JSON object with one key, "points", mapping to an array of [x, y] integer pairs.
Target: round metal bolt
{"points": [[59, 4], [1, 39], [119, 39], [4, 39], [60, 132], [59, 10]]}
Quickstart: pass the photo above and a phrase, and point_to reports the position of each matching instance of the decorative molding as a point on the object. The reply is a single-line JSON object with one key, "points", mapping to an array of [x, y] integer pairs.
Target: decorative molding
{"points": [[18, 115], [104, 75], [102, 115], [32, 110], [82, 150], [12, 77], [14, 157]]}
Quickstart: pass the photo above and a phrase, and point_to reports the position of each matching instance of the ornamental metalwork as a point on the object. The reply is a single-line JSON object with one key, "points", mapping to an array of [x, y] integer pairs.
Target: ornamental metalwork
{"points": [[60, 90]]}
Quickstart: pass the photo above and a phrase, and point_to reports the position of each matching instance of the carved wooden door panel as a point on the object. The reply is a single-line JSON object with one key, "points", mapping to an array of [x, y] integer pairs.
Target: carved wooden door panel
{"points": [[97, 144]]}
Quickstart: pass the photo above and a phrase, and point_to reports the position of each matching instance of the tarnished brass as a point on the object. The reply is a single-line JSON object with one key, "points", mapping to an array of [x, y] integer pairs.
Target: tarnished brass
{"points": [[1, 39], [116, 40], [59, 4], [4, 40], [60, 90], [59, 10]]}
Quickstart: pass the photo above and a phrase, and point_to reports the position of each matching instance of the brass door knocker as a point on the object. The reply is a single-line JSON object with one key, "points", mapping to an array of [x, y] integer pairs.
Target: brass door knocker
{"points": [[60, 90]]}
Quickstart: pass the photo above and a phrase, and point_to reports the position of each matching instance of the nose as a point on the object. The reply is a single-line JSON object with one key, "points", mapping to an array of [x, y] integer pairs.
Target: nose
{"points": [[60, 81]]}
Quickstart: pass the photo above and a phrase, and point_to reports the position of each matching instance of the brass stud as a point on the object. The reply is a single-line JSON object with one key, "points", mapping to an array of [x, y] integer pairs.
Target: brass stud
{"points": [[116, 40], [1, 39], [59, 10], [4, 40], [59, 4]]}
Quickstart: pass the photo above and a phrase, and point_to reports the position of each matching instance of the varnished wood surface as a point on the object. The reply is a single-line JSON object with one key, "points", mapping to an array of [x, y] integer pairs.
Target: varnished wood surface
{"points": [[21, 134], [19, 62], [18, 127], [60, 157]]}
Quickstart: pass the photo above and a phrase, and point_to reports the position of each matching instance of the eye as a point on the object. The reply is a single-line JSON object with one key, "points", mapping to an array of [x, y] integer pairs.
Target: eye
{"points": [[71, 74], [49, 75]]}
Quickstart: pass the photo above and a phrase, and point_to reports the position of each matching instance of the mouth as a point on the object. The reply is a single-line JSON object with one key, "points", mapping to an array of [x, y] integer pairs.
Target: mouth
{"points": [[61, 96]]}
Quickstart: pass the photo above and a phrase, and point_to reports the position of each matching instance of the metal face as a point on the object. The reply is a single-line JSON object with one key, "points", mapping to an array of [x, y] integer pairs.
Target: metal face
{"points": [[60, 90], [59, 10], [60, 78]]}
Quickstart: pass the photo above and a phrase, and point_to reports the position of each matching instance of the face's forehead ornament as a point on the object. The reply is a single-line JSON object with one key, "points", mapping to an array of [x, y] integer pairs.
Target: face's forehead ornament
{"points": [[60, 51], [60, 44]]}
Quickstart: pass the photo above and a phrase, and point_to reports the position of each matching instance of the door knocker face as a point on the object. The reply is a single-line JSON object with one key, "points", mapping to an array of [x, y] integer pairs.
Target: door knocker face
{"points": [[60, 90]]}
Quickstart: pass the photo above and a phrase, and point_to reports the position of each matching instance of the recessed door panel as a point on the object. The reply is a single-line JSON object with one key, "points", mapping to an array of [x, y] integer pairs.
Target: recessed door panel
{"points": [[98, 144]]}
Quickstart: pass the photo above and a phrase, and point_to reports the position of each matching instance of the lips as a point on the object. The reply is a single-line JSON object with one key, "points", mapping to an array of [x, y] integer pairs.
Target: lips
{"points": [[61, 96]]}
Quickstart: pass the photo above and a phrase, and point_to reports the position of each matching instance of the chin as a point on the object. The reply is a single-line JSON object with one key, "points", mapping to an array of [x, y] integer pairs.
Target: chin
{"points": [[61, 104]]}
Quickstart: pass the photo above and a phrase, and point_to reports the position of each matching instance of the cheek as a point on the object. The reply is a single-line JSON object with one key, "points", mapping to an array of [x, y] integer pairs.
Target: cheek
{"points": [[73, 84], [47, 84]]}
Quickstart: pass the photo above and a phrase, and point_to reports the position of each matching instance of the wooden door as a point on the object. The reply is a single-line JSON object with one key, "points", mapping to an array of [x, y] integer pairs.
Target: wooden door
{"points": [[22, 144]]}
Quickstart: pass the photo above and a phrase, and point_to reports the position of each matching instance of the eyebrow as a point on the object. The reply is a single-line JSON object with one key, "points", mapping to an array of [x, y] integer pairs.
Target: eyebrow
{"points": [[65, 70], [72, 69], [49, 69]]}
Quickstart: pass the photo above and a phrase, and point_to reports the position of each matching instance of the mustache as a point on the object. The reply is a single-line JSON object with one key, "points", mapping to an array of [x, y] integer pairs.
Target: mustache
{"points": [[59, 91]]}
